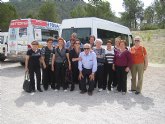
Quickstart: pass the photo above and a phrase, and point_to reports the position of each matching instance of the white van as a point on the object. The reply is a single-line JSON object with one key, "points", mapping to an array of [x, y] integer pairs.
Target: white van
{"points": [[100, 28], [3, 45], [23, 31]]}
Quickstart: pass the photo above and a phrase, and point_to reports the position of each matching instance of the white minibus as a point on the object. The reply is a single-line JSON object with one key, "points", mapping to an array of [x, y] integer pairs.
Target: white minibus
{"points": [[23, 31], [100, 28]]}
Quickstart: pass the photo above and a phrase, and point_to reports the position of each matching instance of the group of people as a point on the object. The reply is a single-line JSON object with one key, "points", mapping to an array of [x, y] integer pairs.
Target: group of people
{"points": [[88, 65]]}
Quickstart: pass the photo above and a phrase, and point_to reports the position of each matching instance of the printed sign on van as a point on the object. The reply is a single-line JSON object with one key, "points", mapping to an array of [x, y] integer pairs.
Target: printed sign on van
{"points": [[53, 26], [38, 22], [19, 24], [38, 35]]}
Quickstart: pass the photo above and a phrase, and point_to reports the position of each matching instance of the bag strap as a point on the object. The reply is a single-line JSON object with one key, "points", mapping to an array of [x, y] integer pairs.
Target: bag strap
{"points": [[59, 53], [143, 50]]}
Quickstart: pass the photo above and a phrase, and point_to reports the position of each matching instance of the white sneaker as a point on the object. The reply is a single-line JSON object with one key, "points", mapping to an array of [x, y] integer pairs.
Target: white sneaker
{"points": [[100, 90], [116, 91], [56, 90], [65, 90], [108, 91], [123, 93]]}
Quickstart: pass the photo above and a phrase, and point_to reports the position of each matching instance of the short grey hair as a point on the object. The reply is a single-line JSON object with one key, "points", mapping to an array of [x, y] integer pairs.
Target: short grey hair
{"points": [[74, 35], [138, 37], [98, 40], [87, 44]]}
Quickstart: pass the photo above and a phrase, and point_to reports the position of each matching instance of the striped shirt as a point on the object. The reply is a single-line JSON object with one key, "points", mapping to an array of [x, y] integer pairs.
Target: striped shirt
{"points": [[110, 56]]}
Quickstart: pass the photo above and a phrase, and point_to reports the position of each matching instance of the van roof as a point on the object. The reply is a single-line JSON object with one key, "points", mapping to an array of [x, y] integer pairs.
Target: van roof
{"points": [[101, 24]]}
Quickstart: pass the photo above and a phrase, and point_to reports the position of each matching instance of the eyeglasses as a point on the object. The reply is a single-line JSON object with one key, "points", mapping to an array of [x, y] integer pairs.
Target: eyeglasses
{"points": [[34, 44], [86, 48]]}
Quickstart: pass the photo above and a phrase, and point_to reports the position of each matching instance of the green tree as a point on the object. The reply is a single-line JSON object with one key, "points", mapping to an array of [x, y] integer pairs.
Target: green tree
{"points": [[159, 6], [95, 8], [7, 13], [125, 19], [149, 14], [48, 12], [134, 10], [79, 11]]}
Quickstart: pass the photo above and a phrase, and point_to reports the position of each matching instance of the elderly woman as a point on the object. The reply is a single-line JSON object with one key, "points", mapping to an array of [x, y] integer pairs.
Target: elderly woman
{"points": [[74, 58], [100, 54], [60, 55], [140, 63], [108, 67], [48, 75], [123, 62], [116, 48], [32, 65]]}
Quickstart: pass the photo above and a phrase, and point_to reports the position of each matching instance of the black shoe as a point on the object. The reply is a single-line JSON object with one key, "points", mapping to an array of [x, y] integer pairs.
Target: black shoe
{"points": [[72, 88], [90, 93], [82, 92], [132, 90], [33, 90], [45, 88], [39, 90], [137, 92], [104, 88]]}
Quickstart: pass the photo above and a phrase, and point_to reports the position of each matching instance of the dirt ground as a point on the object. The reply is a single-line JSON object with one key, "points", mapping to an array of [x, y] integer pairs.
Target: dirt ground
{"points": [[50, 107]]}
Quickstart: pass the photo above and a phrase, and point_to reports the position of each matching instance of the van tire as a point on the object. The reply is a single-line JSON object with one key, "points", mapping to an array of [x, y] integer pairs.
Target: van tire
{"points": [[2, 59]]}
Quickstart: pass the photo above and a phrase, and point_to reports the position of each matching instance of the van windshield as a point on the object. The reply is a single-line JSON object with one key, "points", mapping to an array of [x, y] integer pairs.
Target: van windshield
{"points": [[1, 39], [82, 34], [48, 33]]}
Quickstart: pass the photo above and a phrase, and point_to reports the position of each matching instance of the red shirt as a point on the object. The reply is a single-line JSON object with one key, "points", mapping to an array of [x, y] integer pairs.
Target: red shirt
{"points": [[138, 54], [123, 58]]}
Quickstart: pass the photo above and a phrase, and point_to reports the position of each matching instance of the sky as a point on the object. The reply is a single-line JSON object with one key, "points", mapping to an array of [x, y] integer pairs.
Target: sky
{"points": [[116, 5]]}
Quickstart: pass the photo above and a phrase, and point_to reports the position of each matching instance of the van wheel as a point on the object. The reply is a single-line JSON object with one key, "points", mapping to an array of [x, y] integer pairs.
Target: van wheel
{"points": [[22, 63]]}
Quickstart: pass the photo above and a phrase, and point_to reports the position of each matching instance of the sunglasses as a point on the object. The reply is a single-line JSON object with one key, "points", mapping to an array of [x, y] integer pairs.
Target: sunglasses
{"points": [[137, 40], [86, 48], [34, 44], [77, 43]]}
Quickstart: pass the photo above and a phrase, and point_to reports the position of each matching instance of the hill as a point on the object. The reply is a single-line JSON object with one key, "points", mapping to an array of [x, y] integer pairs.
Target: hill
{"points": [[27, 8], [154, 41]]}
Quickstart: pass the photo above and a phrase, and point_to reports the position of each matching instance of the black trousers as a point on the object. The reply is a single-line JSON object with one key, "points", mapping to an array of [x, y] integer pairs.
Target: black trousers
{"points": [[48, 77], [108, 75], [37, 71], [122, 78], [75, 74], [99, 76], [60, 72], [86, 73], [115, 80]]}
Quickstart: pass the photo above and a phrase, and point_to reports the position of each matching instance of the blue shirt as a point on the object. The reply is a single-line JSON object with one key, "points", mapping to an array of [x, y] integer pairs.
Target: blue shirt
{"points": [[88, 61], [68, 45]]}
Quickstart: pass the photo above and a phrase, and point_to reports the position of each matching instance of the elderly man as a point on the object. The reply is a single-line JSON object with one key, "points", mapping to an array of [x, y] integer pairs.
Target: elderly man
{"points": [[92, 40], [70, 44], [140, 63], [87, 68]]}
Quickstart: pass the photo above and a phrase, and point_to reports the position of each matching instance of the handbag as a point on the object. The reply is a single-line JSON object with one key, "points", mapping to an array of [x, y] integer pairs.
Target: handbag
{"points": [[65, 61], [27, 86]]}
